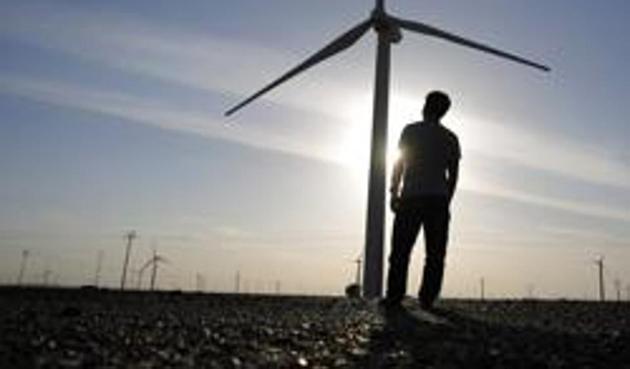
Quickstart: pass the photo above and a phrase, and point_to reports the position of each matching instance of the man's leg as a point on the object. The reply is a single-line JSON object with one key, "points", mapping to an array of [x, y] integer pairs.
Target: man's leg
{"points": [[406, 227], [436, 219]]}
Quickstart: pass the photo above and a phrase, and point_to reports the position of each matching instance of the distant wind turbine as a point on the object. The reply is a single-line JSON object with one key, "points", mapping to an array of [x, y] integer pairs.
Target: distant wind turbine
{"points": [[388, 29], [600, 269], [20, 278], [99, 266], [237, 282], [153, 263], [358, 272], [618, 289], [141, 272], [130, 236]]}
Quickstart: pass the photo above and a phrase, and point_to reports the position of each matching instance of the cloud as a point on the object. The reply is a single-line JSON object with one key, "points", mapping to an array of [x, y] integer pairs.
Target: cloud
{"points": [[208, 63], [200, 61], [237, 67], [577, 207], [544, 151], [157, 113], [153, 112]]}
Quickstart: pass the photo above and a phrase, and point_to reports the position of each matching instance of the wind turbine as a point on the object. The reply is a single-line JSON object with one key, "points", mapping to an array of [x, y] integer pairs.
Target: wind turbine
{"points": [[388, 29], [358, 273], [130, 236], [99, 266], [141, 272], [600, 274], [25, 255], [153, 263]]}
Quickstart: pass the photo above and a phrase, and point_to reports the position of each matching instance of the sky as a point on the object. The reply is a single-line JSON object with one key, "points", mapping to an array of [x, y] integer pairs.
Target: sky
{"points": [[111, 119]]}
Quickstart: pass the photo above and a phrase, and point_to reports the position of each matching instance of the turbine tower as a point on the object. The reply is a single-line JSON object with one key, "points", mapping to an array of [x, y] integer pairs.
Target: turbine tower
{"points": [[358, 272], [600, 274], [130, 236], [141, 273], [388, 30], [99, 266], [618, 289], [25, 255], [155, 260]]}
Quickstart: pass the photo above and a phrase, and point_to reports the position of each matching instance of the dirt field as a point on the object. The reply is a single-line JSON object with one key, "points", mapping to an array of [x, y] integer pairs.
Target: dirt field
{"points": [[106, 329]]}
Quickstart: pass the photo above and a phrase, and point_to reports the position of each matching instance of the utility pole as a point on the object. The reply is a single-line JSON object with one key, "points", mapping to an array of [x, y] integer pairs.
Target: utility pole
{"points": [[600, 267], [130, 236], [99, 266], [482, 289], [20, 278]]}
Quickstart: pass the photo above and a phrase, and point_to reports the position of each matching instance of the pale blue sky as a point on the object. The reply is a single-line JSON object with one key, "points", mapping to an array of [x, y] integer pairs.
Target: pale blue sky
{"points": [[111, 119]]}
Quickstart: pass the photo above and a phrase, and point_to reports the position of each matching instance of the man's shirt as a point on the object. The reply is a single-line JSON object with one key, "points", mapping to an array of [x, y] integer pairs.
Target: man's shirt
{"points": [[428, 149]]}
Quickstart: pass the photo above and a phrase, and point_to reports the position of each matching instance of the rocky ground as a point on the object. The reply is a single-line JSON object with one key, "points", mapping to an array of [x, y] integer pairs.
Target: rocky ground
{"points": [[105, 329]]}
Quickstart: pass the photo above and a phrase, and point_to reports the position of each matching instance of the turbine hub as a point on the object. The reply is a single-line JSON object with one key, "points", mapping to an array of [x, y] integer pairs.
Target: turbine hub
{"points": [[384, 24]]}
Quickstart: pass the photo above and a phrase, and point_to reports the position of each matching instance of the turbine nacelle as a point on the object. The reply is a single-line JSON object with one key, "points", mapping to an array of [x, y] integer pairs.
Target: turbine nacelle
{"points": [[383, 23]]}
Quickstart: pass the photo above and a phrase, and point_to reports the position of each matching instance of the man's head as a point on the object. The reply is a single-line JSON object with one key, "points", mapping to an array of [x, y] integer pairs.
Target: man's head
{"points": [[436, 105]]}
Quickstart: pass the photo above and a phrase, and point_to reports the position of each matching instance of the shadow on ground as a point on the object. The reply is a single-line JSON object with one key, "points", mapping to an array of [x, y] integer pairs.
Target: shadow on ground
{"points": [[477, 339]]}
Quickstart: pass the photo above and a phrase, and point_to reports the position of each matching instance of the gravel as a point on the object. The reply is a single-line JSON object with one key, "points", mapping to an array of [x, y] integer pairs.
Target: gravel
{"points": [[65, 328]]}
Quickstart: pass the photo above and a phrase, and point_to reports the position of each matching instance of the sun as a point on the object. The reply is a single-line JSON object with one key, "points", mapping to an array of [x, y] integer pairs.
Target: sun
{"points": [[353, 151]]}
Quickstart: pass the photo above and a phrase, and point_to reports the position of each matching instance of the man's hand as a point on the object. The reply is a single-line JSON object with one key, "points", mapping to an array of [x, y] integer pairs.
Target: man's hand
{"points": [[394, 203], [394, 189]]}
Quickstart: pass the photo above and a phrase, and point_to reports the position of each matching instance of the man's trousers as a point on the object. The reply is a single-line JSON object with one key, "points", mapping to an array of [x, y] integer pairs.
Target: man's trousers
{"points": [[431, 213]]}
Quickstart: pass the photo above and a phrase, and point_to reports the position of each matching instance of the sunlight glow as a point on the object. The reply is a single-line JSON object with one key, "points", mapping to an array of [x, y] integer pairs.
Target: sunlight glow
{"points": [[354, 146]]}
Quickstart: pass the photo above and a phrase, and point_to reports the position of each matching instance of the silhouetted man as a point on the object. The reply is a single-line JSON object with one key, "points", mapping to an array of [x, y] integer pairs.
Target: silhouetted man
{"points": [[428, 167]]}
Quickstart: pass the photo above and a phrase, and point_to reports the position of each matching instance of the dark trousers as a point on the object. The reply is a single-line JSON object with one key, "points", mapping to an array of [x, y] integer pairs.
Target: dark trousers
{"points": [[432, 214]]}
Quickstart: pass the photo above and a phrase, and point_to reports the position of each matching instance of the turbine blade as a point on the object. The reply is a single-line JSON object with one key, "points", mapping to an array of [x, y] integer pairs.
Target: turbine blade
{"points": [[336, 46], [436, 32], [146, 265], [160, 259]]}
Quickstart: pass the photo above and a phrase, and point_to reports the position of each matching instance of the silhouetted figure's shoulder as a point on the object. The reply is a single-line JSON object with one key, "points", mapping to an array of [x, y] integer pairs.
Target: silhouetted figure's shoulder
{"points": [[451, 137], [430, 130], [421, 126]]}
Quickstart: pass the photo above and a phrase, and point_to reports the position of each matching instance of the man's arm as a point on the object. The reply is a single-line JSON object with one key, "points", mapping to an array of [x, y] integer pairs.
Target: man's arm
{"points": [[451, 182], [394, 188], [453, 167]]}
